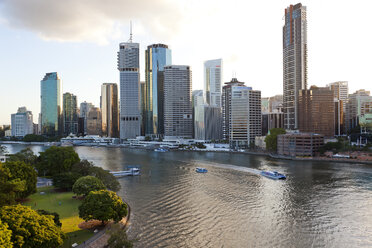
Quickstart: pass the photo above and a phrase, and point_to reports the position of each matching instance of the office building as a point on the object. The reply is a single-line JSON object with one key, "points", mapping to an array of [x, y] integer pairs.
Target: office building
{"points": [[241, 112], [110, 110], [299, 144], [157, 56], [272, 120], [70, 114], [94, 121], [276, 104], [178, 120], [142, 101], [294, 62], [358, 110], [51, 105], [317, 111], [213, 82], [130, 98], [207, 122], [84, 110], [22, 123], [340, 93]]}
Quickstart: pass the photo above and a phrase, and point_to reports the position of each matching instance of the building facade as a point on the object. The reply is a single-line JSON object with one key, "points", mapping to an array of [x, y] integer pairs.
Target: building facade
{"points": [[70, 114], [299, 144], [157, 56], [84, 110], [22, 123], [130, 109], [340, 93], [213, 82], [94, 122], [51, 105], [357, 109], [294, 62], [317, 111], [110, 110], [241, 112], [178, 121], [207, 122]]}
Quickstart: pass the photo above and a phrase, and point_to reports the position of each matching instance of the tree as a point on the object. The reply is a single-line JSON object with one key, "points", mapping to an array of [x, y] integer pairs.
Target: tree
{"points": [[5, 236], [86, 184], [102, 205], [53, 214], [65, 180], [118, 238], [272, 139], [57, 160], [26, 155], [29, 229], [2, 150], [109, 180], [25, 172], [33, 138], [9, 188]]}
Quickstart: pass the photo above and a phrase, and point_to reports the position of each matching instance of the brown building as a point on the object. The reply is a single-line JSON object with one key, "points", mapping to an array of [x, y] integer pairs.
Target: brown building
{"points": [[94, 122], [110, 110], [317, 111], [299, 144]]}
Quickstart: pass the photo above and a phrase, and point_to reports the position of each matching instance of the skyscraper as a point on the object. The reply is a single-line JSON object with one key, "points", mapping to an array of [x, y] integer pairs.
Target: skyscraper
{"points": [[84, 110], [22, 122], [51, 104], [157, 56], [130, 111], [177, 101], [109, 110], [294, 62], [212, 82], [70, 115], [340, 93], [241, 111], [94, 121]]}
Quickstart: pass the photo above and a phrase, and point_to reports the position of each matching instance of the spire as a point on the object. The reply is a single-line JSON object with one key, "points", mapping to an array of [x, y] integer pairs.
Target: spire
{"points": [[131, 35]]}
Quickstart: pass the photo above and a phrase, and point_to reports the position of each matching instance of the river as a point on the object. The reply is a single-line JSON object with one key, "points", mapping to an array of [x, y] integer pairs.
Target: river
{"points": [[321, 204]]}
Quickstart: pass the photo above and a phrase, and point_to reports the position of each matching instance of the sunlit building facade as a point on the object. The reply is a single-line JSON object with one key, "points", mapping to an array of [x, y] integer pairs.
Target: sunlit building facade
{"points": [[51, 104], [22, 123], [94, 122], [157, 56], [213, 82], [110, 110]]}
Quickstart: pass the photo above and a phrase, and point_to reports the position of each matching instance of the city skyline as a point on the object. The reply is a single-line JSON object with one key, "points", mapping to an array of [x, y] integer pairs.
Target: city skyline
{"points": [[87, 62]]}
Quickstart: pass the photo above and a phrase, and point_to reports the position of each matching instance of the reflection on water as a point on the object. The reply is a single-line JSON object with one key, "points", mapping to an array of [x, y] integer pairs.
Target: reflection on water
{"points": [[320, 204]]}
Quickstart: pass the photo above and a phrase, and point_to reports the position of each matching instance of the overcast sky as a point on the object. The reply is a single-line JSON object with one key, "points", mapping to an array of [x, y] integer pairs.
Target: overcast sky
{"points": [[79, 39]]}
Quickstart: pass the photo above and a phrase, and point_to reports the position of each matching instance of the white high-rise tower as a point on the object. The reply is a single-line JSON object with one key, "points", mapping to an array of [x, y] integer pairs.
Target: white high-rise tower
{"points": [[212, 82]]}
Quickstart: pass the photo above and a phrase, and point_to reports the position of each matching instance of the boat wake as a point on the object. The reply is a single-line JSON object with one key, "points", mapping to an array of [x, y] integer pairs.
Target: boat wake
{"points": [[232, 167]]}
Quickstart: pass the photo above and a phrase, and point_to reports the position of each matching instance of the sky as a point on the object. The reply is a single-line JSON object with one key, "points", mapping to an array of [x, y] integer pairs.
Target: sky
{"points": [[80, 39]]}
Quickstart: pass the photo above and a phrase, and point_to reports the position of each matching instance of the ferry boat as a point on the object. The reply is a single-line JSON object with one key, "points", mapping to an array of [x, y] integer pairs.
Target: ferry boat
{"points": [[201, 170], [161, 150], [132, 171], [273, 175]]}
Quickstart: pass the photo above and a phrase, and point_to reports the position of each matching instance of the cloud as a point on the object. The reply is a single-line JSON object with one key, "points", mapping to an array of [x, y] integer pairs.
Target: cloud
{"points": [[90, 20]]}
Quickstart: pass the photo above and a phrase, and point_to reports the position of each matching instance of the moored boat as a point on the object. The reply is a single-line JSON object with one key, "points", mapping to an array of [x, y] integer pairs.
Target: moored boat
{"points": [[273, 175], [161, 150], [201, 170], [132, 171]]}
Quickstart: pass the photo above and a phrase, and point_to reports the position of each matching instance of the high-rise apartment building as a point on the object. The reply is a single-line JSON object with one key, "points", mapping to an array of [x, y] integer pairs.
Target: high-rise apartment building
{"points": [[130, 109], [94, 121], [157, 56], [70, 114], [294, 62], [109, 110], [317, 111], [22, 123], [84, 110], [241, 111], [212, 82], [51, 104], [178, 120]]}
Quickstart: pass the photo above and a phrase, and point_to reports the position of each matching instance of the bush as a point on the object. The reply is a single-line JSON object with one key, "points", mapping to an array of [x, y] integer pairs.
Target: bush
{"points": [[84, 185]]}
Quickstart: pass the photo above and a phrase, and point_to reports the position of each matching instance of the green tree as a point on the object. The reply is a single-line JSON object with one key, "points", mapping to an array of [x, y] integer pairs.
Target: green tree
{"points": [[272, 139], [5, 236], [118, 238], [109, 180], [65, 180], [26, 155], [9, 188], [33, 138], [29, 229], [2, 150], [25, 172], [53, 214], [57, 160], [102, 205], [86, 184]]}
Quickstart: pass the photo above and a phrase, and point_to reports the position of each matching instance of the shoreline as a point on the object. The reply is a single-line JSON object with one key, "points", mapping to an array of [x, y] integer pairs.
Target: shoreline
{"points": [[256, 153]]}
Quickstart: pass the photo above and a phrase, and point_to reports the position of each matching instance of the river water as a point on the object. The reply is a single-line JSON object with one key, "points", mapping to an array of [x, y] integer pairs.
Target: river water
{"points": [[321, 204]]}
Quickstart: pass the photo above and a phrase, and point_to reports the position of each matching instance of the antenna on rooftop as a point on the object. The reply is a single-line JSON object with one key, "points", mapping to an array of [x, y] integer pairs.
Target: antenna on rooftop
{"points": [[131, 35]]}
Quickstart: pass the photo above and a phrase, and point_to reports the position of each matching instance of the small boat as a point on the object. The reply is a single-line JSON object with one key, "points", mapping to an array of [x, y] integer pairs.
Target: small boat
{"points": [[201, 170], [132, 171], [161, 150], [273, 175]]}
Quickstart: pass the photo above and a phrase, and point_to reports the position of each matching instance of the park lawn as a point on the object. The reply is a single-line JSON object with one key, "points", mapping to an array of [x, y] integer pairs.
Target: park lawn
{"points": [[66, 207]]}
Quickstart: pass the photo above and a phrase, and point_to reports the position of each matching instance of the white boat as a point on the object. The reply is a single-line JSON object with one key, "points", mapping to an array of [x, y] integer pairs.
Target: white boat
{"points": [[161, 150], [132, 171]]}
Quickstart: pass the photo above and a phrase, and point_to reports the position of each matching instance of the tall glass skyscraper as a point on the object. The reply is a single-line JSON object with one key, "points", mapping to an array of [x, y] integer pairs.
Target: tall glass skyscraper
{"points": [[70, 115], [130, 112], [212, 82], [109, 110], [157, 56], [294, 62], [51, 104]]}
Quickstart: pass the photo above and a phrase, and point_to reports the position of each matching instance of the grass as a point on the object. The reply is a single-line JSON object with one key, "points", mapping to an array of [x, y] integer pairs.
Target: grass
{"points": [[66, 207]]}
